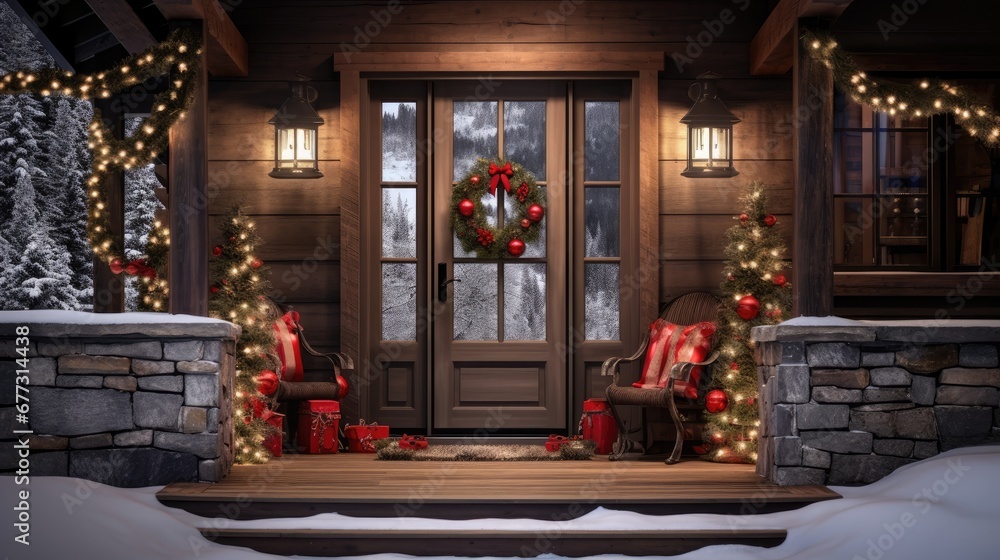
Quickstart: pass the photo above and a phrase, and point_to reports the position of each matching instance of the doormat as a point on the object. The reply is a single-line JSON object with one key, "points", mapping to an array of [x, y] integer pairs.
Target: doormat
{"points": [[581, 450]]}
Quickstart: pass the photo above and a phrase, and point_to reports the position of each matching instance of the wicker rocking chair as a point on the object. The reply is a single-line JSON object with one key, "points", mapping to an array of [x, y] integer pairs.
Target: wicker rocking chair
{"points": [[687, 309]]}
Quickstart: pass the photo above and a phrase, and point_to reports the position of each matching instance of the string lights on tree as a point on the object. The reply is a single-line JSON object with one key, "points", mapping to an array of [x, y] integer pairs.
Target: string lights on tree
{"points": [[178, 58], [154, 290], [921, 98]]}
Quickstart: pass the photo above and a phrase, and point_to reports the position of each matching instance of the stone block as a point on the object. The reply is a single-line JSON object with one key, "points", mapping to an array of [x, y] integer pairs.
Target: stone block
{"points": [[205, 446], [201, 390], [213, 420], [50, 463], [799, 476], [765, 458], [927, 359], [198, 366], [768, 354], [877, 359], [978, 356], [66, 412], [47, 443], [792, 384], [793, 352], [91, 441], [924, 449], [764, 374], [10, 351], [157, 410], [8, 371], [967, 421], [982, 377], [189, 350], [878, 394], [783, 420], [838, 442], [890, 377], [821, 416], [996, 417], [104, 365], [787, 451], [42, 372], [121, 383], [80, 381], [883, 407], [844, 378], [815, 458], [918, 423], [211, 470], [970, 396], [149, 350], [164, 383], [836, 395], [212, 351], [57, 347], [833, 355], [148, 367], [881, 424], [193, 419], [863, 469], [923, 390], [135, 438], [134, 467], [893, 447]]}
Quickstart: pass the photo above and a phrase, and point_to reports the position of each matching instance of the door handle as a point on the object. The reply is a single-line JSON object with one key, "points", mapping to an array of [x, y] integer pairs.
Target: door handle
{"points": [[443, 282]]}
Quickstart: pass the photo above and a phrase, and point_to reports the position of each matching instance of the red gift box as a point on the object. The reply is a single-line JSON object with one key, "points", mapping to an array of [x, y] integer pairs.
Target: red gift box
{"points": [[318, 425], [274, 441], [361, 438]]}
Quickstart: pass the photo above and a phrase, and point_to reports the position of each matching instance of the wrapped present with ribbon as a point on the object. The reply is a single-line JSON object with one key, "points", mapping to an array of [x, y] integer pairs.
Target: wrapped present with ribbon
{"points": [[361, 437], [319, 422], [274, 441]]}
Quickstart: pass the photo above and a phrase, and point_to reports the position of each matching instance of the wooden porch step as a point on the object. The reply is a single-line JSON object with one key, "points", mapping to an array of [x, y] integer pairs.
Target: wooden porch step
{"points": [[315, 542]]}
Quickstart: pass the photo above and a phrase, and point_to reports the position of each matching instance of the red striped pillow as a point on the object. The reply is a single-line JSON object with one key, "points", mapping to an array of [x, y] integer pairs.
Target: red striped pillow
{"points": [[669, 344]]}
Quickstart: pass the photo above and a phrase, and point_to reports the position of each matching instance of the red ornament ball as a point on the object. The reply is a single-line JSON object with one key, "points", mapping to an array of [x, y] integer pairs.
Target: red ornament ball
{"points": [[770, 220], [730, 278], [780, 280], [232, 239], [342, 387], [474, 179], [217, 250], [267, 382], [716, 401], [131, 269], [213, 288], [466, 207], [748, 308], [734, 365], [744, 218], [535, 212], [116, 266], [526, 223], [256, 263], [515, 247]]}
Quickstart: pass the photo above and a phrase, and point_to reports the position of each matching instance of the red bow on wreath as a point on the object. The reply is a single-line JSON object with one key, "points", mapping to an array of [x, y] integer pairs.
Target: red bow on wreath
{"points": [[500, 175]]}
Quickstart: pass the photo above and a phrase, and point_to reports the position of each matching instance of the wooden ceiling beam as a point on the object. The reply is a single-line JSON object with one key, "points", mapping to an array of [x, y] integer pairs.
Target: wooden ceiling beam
{"points": [[771, 49], [226, 49], [122, 21]]}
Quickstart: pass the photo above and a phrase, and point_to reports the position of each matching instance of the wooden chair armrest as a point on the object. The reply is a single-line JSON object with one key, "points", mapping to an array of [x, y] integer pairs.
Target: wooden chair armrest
{"points": [[612, 366], [682, 370]]}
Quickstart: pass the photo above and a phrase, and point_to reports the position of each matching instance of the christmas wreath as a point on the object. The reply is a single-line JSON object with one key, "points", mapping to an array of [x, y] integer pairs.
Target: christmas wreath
{"points": [[468, 215]]}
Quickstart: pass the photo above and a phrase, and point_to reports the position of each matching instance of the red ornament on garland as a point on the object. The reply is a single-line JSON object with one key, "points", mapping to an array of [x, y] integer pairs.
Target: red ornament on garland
{"points": [[466, 207], [536, 212], [232, 239], [474, 179], [734, 365], [131, 269], [780, 280], [748, 308], [744, 218], [116, 266], [213, 288], [515, 247], [256, 263], [526, 223], [217, 250], [770, 220], [716, 401], [267, 382]]}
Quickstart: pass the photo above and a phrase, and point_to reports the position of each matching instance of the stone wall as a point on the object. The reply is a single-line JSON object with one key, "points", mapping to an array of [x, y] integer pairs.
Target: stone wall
{"points": [[848, 402], [132, 399]]}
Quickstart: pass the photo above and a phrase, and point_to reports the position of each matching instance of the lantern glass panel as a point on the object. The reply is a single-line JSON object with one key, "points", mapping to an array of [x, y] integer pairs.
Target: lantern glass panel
{"points": [[296, 148], [720, 145]]}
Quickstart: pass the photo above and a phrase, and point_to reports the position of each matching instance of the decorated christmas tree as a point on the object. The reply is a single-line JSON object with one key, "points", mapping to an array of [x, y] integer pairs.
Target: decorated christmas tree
{"points": [[755, 292], [240, 282]]}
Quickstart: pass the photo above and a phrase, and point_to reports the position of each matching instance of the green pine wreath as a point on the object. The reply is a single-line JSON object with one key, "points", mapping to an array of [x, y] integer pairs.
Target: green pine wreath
{"points": [[474, 232]]}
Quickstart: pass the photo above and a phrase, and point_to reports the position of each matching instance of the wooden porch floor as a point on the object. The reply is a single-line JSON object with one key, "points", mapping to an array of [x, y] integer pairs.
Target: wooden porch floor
{"points": [[359, 485]]}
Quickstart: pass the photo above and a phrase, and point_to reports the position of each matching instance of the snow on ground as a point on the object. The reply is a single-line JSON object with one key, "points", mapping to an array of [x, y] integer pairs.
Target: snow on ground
{"points": [[944, 507], [59, 317]]}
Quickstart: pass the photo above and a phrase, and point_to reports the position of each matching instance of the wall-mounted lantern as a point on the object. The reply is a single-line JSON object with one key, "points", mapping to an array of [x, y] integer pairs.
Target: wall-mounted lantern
{"points": [[710, 131], [296, 146]]}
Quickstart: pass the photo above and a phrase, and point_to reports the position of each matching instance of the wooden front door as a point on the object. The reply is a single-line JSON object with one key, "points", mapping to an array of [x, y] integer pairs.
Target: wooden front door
{"points": [[499, 330]]}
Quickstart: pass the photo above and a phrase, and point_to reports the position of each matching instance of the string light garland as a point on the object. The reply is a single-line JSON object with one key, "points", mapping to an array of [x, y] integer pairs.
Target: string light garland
{"points": [[922, 98], [178, 58], [154, 291]]}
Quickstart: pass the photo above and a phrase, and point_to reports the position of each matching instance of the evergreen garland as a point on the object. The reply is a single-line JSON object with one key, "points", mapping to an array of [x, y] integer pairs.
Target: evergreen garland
{"points": [[154, 291], [920, 99], [755, 267], [240, 282], [474, 232]]}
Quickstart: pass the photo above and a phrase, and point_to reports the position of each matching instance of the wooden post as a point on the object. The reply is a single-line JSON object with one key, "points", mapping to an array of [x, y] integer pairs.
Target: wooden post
{"points": [[109, 288], [188, 203], [812, 259], [351, 291]]}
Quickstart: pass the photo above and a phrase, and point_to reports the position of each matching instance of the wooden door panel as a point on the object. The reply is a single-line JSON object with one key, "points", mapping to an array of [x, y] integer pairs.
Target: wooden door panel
{"points": [[517, 383]]}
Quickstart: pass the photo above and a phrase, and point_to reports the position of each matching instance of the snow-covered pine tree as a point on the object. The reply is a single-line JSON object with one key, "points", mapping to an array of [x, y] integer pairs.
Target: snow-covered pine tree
{"points": [[141, 205], [18, 148], [755, 292]]}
